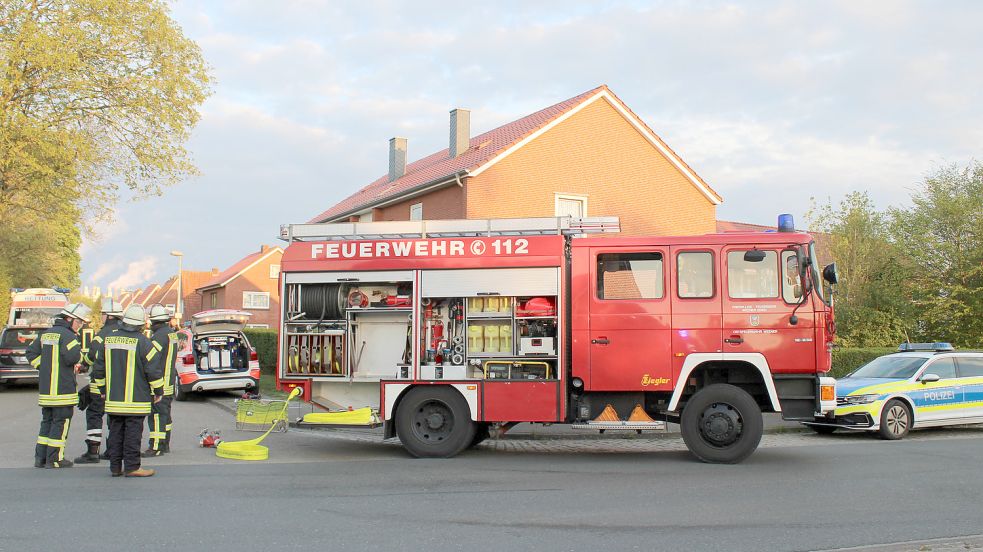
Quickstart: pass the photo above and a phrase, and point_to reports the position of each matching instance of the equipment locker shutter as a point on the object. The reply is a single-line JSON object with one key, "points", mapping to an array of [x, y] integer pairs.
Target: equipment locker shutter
{"points": [[501, 281], [348, 277]]}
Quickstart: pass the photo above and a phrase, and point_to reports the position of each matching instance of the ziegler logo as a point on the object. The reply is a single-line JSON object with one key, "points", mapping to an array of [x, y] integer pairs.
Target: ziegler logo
{"points": [[649, 380]]}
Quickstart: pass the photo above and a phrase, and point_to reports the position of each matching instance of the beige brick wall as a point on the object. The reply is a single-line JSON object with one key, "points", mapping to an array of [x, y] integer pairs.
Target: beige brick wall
{"points": [[596, 153], [445, 203], [256, 278]]}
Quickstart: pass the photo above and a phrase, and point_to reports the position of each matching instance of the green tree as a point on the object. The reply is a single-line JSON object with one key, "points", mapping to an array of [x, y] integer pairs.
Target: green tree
{"points": [[941, 236], [95, 96], [868, 308]]}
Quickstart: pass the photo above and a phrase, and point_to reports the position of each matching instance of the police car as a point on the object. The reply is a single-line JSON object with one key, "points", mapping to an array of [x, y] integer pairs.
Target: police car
{"points": [[922, 385]]}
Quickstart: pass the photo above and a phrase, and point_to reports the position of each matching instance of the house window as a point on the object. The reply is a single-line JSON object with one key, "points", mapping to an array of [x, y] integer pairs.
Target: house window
{"points": [[568, 205], [256, 300], [630, 276], [213, 299], [274, 271], [416, 211]]}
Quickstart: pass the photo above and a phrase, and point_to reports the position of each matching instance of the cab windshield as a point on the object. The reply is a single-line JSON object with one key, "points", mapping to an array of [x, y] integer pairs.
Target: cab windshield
{"points": [[892, 367]]}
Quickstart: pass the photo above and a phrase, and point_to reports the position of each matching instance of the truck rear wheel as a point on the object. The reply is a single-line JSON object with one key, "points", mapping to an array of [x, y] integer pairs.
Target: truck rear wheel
{"points": [[721, 424], [434, 422]]}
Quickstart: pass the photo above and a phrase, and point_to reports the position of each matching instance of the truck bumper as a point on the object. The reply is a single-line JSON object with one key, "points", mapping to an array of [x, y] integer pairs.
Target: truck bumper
{"points": [[20, 374], [242, 382]]}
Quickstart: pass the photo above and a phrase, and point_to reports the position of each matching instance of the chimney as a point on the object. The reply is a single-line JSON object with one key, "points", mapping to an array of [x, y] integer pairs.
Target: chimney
{"points": [[397, 158], [263, 248], [214, 271], [460, 131]]}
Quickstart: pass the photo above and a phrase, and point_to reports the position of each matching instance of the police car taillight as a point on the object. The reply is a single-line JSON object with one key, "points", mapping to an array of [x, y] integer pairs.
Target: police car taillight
{"points": [[938, 346]]}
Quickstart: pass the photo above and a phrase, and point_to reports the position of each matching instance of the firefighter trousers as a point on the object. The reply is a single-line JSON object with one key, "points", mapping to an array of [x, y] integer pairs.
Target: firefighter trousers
{"points": [[93, 418], [125, 434], [159, 423], [55, 421]]}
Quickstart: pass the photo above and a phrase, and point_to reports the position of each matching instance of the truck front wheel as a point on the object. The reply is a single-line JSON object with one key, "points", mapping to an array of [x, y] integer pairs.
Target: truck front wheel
{"points": [[434, 422], [721, 424]]}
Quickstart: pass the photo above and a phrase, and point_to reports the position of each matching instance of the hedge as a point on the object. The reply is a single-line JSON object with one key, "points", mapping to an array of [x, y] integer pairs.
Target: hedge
{"points": [[265, 341], [848, 359]]}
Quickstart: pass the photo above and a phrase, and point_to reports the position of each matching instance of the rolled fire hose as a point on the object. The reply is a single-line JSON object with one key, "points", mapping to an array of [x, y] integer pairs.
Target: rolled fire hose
{"points": [[252, 449]]}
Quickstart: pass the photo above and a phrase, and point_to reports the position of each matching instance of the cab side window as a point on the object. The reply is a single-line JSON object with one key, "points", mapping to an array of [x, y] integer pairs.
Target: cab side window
{"points": [[791, 278], [970, 367], [752, 280], [630, 276], [694, 274], [945, 368]]}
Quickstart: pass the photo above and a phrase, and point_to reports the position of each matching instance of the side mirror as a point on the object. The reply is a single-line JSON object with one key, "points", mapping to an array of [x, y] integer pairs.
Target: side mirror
{"points": [[830, 274], [929, 378], [754, 256]]}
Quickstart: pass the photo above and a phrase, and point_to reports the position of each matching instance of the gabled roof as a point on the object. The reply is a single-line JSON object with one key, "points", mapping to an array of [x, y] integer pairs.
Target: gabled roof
{"points": [[142, 297], [239, 267], [731, 226], [491, 147], [158, 297]]}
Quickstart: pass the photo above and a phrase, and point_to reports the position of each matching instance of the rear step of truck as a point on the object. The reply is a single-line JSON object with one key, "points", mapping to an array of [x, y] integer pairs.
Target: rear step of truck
{"points": [[622, 426]]}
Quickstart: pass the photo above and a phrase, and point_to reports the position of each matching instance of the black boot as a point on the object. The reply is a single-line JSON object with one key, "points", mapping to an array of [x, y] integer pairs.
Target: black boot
{"points": [[39, 462], [105, 454], [149, 453], [166, 446], [91, 456], [58, 464]]}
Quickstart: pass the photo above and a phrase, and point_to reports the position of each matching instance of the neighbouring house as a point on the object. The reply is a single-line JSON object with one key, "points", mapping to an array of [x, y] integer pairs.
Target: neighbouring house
{"points": [[251, 284], [191, 280], [143, 296], [586, 156]]}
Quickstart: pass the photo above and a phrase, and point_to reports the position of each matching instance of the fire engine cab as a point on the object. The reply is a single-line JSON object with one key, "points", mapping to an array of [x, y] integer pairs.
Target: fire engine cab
{"points": [[451, 329]]}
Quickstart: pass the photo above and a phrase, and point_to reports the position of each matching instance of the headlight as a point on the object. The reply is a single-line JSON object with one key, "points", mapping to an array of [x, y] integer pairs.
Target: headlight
{"points": [[860, 399]]}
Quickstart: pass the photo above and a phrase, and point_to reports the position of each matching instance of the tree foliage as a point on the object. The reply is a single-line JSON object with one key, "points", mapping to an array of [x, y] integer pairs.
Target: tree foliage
{"points": [[913, 272], [95, 96]]}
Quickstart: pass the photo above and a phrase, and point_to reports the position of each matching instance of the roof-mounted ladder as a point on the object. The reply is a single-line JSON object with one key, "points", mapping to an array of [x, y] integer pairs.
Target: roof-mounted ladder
{"points": [[449, 228]]}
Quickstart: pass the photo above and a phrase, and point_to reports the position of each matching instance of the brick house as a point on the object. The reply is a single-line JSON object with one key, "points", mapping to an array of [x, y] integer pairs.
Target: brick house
{"points": [[251, 284], [587, 156], [191, 280]]}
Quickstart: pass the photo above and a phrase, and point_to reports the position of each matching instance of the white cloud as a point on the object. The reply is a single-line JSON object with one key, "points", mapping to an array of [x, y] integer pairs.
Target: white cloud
{"points": [[137, 274]]}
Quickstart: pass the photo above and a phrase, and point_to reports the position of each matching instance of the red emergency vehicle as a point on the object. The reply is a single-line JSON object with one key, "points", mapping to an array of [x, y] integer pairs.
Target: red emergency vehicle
{"points": [[453, 329]]}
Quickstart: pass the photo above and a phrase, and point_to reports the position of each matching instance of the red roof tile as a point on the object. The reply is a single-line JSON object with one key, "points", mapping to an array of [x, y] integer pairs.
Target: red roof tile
{"points": [[730, 226], [234, 270], [142, 297]]}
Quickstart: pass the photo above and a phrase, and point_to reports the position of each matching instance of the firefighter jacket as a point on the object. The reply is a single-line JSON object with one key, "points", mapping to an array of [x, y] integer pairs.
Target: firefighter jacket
{"points": [[55, 352], [125, 371], [107, 328], [165, 339]]}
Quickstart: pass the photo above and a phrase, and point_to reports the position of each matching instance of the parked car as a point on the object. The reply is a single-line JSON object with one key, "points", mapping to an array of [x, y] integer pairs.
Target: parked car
{"points": [[922, 385], [215, 354], [13, 361]]}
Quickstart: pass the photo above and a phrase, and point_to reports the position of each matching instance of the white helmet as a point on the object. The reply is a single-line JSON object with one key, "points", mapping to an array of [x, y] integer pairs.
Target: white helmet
{"points": [[134, 316], [112, 307], [77, 311], [159, 313]]}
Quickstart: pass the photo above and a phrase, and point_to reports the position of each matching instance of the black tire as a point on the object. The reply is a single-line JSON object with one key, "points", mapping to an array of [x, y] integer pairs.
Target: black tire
{"points": [[896, 420], [481, 433], [721, 424], [823, 430], [433, 421], [179, 394]]}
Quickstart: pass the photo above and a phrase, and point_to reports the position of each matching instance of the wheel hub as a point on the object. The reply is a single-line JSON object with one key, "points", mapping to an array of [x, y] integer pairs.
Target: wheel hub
{"points": [[720, 424], [433, 421]]}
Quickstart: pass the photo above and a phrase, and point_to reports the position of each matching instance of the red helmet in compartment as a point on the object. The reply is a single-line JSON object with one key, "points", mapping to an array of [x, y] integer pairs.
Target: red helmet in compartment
{"points": [[536, 306]]}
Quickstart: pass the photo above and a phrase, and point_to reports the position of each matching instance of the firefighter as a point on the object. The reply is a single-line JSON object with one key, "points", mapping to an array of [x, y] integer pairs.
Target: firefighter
{"points": [[128, 376], [112, 311], [55, 352], [164, 336]]}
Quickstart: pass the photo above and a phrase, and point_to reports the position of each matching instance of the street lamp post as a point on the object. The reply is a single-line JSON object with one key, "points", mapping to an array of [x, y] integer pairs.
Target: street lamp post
{"points": [[179, 310]]}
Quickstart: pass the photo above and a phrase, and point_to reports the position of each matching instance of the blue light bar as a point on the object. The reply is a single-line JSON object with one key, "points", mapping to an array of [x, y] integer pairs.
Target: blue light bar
{"points": [[62, 290], [785, 223], [938, 346]]}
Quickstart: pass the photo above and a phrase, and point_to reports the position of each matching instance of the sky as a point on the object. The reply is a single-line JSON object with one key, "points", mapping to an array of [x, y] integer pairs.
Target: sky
{"points": [[772, 103]]}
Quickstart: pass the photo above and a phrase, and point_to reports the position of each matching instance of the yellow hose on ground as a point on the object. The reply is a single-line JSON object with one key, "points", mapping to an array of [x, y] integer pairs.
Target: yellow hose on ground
{"points": [[252, 449]]}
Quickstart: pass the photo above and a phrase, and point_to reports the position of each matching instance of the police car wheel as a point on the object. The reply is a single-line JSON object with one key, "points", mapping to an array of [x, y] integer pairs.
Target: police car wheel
{"points": [[895, 420], [434, 422], [180, 395], [721, 424]]}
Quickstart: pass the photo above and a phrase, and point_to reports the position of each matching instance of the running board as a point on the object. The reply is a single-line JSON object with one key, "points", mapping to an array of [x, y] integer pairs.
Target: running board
{"points": [[622, 426]]}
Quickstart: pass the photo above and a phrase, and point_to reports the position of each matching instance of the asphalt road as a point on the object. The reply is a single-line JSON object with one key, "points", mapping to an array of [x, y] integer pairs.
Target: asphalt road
{"points": [[352, 492]]}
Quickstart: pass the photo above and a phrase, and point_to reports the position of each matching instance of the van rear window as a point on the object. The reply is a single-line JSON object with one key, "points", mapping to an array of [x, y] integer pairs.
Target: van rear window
{"points": [[16, 339]]}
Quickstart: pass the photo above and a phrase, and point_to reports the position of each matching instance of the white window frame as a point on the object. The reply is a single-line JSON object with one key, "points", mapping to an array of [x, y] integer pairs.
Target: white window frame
{"points": [[274, 271], [418, 207], [213, 300], [249, 303], [560, 196]]}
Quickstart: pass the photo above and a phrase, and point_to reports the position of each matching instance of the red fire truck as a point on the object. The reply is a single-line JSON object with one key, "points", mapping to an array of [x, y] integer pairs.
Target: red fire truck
{"points": [[450, 330]]}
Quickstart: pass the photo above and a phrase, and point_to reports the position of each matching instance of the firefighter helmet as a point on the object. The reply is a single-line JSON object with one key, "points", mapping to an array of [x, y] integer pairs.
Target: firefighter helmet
{"points": [[159, 313], [134, 316], [77, 311], [112, 307]]}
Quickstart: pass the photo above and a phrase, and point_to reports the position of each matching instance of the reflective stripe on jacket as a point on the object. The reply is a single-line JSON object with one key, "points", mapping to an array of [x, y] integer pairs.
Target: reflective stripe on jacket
{"points": [[125, 371], [166, 338], [55, 352]]}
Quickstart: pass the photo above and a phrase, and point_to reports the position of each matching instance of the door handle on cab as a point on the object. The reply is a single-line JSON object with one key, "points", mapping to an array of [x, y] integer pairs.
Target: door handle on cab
{"points": [[735, 339], [600, 341]]}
